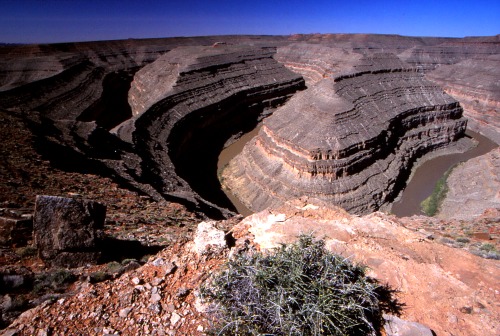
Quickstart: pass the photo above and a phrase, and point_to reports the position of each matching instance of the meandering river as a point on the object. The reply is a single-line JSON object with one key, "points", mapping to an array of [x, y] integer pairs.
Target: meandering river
{"points": [[427, 174], [419, 188]]}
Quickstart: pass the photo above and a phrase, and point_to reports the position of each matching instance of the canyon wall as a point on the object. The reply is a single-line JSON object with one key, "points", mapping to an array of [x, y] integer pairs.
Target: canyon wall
{"points": [[190, 101], [350, 140], [467, 69], [154, 113], [147, 112]]}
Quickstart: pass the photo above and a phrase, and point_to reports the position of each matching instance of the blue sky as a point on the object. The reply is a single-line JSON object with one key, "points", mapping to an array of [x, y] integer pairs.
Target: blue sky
{"points": [[47, 21]]}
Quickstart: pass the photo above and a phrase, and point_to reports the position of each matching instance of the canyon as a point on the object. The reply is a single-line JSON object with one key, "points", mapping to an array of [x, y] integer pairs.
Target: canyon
{"points": [[345, 119], [154, 114], [350, 140]]}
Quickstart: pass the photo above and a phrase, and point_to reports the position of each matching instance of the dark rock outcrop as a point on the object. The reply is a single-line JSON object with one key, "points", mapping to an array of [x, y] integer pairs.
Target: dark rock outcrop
{"points": [[189, 103], [15, 227], [350, 140], [67, 231]]}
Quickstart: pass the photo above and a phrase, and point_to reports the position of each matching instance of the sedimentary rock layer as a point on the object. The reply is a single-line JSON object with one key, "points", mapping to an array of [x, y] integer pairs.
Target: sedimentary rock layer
{"points": [[163, 118], [315, 61], [155, 117], [349, 140], [189, 102], [475, 83]]}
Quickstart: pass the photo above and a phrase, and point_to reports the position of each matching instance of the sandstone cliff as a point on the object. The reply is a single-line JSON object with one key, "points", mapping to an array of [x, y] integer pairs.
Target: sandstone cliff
{"points": [[350, 140]]}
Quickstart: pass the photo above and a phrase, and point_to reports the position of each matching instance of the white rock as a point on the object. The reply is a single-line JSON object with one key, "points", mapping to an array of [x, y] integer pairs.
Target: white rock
{"points": [[207, 235], [174, 319], [155, 297], [124, 312]]}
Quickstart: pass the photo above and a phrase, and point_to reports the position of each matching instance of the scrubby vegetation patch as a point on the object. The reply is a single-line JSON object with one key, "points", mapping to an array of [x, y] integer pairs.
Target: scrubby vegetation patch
{"points": [[430, 206], [298, 289]]}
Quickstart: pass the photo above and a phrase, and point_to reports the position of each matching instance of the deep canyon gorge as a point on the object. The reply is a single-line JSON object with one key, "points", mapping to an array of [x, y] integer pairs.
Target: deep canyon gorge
{"points": [[155, 114], [329, 129]]}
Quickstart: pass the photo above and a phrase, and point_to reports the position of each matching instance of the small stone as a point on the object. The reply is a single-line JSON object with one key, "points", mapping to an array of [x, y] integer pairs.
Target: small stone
{"points": [[182, 293], [157, 281], [158, 262], [174, 318], [155, 297], [170, 268], [466, 310], [452, 318], [10, 332], [136, 281], [394, 326], [155, 307], [124, 312], [200, 328]]}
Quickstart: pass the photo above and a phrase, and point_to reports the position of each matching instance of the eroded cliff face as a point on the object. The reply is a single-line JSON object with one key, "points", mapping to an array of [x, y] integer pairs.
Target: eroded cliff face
{"points": [[149, 114], [187, 104], [475, 83], [350, 140], [468, 70], [154, 114]]}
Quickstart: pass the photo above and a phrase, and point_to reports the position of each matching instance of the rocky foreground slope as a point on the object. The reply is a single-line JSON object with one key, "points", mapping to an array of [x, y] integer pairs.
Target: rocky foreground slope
{"points": [[450, 291], [350, 140]]}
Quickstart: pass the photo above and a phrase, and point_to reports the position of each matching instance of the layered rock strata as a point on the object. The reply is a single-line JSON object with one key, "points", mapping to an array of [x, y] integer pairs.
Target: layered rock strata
{"points": [[73, 94], [475, 83], [314, 61], [207, 94], [350, 140], [166, 110]]}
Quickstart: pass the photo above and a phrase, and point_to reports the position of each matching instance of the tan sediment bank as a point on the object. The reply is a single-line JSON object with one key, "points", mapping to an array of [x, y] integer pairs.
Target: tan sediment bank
{"points": [[429, 169]]}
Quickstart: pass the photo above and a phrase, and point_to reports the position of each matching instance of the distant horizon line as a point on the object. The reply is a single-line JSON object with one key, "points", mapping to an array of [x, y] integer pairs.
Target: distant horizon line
{"points": [[227, 35]]}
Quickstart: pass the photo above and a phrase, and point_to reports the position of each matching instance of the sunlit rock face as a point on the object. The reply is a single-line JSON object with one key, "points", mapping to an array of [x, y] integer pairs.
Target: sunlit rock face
{"points": [[475, 83], [154, 114], [349, 140]]}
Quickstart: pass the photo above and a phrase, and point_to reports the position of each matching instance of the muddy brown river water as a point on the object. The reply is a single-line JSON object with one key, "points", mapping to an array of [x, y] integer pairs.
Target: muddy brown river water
{"points": [[426, 176], [419, 188]]}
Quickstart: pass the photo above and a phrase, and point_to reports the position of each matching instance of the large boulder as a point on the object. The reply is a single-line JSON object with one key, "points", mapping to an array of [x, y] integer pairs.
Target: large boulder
{"points": [[67, 231]]}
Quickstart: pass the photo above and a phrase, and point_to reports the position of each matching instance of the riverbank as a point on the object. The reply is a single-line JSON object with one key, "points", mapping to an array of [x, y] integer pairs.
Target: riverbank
{"points": [[431, 167]]}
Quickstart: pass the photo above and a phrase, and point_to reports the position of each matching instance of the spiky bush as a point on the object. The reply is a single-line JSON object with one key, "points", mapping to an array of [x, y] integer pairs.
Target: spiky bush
{"points": [[298, 289]]}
